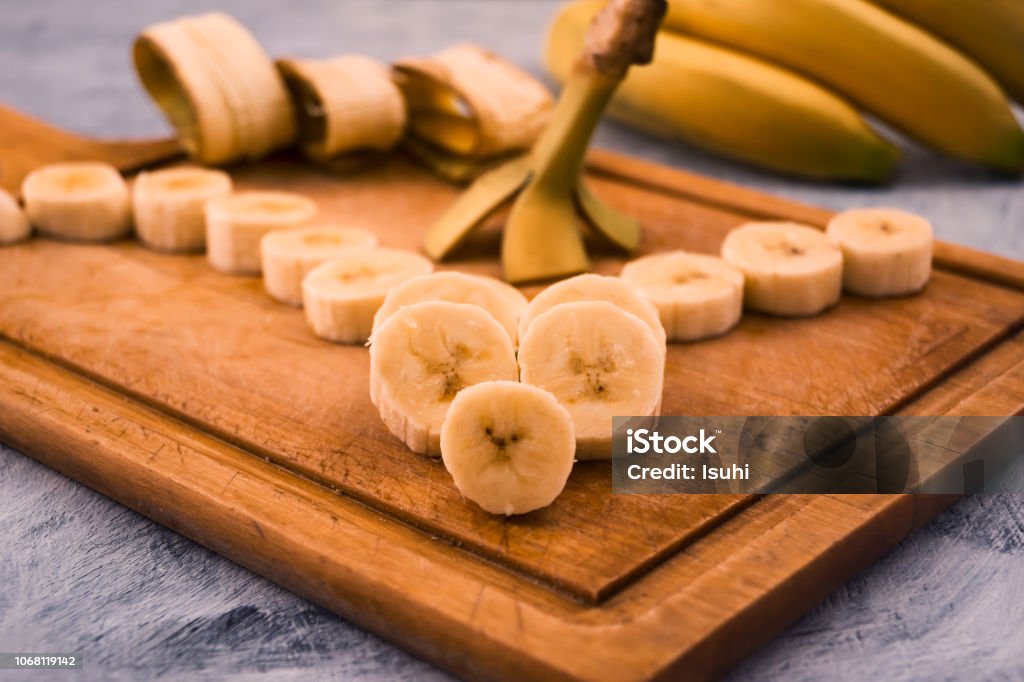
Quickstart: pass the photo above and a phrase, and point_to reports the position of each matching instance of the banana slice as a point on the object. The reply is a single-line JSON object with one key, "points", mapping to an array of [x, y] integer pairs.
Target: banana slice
{"points": [[789, 269], [590, 287], [426, 353], [235, 224], [508, 446], [342, 295], [217, 86], [599, 361], [14, 226], [80, 200], [170, 206], [886, 252], [471, 102], [505, 303], [344, 104], [696, 296], [287, 256]]}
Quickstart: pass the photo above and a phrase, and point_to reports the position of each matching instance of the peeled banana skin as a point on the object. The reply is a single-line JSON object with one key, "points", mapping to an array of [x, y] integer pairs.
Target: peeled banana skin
{"points": [[890, 67], [734, 105], [991, 32]]}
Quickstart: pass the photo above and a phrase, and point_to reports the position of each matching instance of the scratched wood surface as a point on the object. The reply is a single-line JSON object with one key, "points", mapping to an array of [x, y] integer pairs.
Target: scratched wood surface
{"points": [[194, 398]]}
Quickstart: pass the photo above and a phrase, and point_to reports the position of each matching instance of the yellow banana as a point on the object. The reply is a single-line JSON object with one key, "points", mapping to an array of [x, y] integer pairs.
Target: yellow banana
{"points": [[735, 105], [891, 68], [992, 32]]}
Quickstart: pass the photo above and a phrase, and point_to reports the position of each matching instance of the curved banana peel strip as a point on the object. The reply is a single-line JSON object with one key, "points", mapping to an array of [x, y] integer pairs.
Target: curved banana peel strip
{"points": [[345, 104]]}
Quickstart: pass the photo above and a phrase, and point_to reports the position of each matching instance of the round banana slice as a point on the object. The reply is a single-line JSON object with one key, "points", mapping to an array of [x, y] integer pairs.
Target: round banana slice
{"points": [[235, 225], [80, 200], [789, 269], [886, 252], [342, 295], [505, 303], [590, 287], [423, 355], [599, 361], [345, 104], [288, 256], [508, 446], [696, 296], [170, 206], [14, 226]]}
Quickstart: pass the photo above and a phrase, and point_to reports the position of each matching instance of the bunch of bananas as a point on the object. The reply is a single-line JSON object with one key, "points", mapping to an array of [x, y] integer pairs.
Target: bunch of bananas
{"points": [[782, 85]]}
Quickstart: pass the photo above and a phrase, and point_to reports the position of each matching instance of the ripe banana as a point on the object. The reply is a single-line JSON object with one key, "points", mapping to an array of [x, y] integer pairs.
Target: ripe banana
{"points": [[80, 200], [287, 256], [217, 87], [599, 361], [505, 303], [342, 295], [236, 223], [14, 226], [344, 104], [992, 32], [508, 446], [472, 102], [893, 69], [590, 287], [170, 206], [696, 296], [886, 252], [789, 269], [423, 355], [733, 104]]}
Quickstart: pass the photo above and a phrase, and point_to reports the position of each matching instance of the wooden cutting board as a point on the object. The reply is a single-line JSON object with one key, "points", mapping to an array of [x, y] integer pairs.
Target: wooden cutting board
{"points": [[193, 398]]}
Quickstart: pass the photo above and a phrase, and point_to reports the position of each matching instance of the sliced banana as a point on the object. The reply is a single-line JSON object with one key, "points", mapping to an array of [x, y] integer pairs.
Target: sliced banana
{"points": [[599, 361], [886, 252], [505, 303], [789, 269], [423, 355], [80, 200], [235, 225], [345, 104], [14, 226], [342, 295], [170, 206], [287, 256], [696, 296], [217, 86], [590, 287], [508, 446], [472, 102]]}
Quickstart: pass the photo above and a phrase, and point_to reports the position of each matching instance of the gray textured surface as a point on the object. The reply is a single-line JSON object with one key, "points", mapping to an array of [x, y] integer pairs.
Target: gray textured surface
{"points": [[79, 572]]}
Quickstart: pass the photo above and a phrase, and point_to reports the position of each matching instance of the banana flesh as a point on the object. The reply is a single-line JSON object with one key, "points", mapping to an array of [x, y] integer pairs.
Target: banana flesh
{"points": [[217, 86], [169, 206], [789, 269], [886, 252], [472, 102], [591, 287], [342, 295], [599, 361], [504, 303], [345, 104], [697, 296], [891, 68], [80, 201], [287, 256], [236, 223], [733, 104], [508, 446], [14, 225], [423, 355]]}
